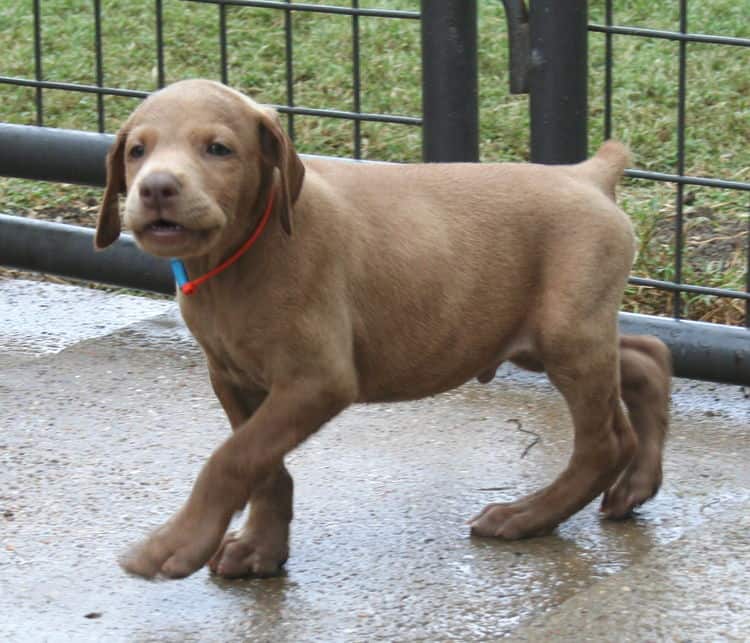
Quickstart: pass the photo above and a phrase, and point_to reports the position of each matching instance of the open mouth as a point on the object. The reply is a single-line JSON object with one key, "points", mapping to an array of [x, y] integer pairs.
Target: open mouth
{"points": [[166, 238], [162, 227]]}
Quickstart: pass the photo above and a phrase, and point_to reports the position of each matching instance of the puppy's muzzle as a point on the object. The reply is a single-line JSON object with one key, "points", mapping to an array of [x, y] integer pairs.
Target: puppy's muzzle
{"points": [[159, 190]]}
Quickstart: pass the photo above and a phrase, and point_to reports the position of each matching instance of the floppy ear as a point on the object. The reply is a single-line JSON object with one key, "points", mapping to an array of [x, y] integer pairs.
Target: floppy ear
{"points": [[278, 151], [108, 223]]}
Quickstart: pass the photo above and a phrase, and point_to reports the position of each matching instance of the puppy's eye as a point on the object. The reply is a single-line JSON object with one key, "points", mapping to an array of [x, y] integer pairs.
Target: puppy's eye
{"points": [[137, 151], [218, 149]]}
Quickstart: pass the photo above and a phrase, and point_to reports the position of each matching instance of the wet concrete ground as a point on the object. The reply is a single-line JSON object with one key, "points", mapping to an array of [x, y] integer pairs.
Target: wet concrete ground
{"points": [[106, 416]]}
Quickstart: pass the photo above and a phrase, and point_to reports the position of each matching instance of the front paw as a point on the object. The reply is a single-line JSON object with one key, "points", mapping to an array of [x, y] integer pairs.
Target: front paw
{"points": [[177, 549], [249, 552]]}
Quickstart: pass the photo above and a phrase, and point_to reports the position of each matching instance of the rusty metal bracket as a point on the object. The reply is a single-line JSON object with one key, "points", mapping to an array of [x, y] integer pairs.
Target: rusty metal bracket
{"points": [[517, 17]]}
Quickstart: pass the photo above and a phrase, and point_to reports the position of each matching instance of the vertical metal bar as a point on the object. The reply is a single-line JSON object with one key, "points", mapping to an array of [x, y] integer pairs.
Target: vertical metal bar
{"points": [[356, 82], [678, 224], [608, 64], [517, 19], [38, 61], [450, 107], [288, 36], [223, 43], [98, 62], [159, 44], [558, 80]]}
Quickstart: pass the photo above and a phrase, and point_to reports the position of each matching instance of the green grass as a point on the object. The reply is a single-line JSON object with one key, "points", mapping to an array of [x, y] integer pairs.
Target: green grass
{"points": [[644, 105]]}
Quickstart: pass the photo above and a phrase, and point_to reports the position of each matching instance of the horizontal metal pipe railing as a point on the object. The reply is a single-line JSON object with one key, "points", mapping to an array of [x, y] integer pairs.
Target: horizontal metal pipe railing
{"points": [[700, 351], [68, 251], [50, 154], [712, 352]]}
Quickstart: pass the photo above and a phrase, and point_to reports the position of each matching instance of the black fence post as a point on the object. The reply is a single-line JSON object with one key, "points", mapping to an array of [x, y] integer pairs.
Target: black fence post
{"points": [[450, 111], [558, 80]]}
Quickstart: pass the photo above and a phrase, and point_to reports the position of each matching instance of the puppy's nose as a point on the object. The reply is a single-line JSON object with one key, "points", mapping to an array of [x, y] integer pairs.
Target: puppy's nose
{"points": [[159, 189]]}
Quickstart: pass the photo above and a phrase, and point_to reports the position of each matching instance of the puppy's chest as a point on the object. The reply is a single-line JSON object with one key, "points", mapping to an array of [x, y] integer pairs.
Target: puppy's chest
{"points": [[234, 352]]}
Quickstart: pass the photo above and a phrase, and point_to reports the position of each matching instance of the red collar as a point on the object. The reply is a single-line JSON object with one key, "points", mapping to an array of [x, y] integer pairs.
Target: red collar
{"points": [[188, 287]]}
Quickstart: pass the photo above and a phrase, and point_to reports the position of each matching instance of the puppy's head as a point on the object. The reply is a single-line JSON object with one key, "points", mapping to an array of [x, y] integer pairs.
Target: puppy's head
{"points": [[195, 159]]}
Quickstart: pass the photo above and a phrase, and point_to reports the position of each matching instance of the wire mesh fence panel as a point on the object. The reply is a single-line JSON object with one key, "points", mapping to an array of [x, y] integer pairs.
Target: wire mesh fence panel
{"points": [[694, 259]]}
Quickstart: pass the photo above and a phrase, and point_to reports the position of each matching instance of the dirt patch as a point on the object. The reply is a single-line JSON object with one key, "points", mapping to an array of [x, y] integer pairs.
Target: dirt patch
{"points": [[83, 214], [710, 240]]}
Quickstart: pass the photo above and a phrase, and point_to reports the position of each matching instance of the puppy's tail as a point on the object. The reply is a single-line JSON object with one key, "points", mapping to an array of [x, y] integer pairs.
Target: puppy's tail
{"points": [[606, 167]]}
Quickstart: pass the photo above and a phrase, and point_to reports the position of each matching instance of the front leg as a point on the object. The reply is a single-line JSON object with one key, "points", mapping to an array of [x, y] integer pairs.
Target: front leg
{"points": [[290, 413], [261, 547], [238, 404]]}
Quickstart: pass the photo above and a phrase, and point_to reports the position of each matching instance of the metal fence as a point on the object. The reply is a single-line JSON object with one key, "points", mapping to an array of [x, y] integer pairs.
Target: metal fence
{"points": [[557, 82], [450, 120], [549, 49], [682, 37]]}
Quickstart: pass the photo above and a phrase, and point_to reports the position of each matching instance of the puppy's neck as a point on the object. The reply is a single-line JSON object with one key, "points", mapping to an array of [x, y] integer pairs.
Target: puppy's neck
{"points": [[242, 248]]}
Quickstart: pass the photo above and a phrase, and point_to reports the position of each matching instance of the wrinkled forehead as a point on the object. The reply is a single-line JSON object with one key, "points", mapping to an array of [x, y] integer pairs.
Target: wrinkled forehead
{"points": [[203, 102]]}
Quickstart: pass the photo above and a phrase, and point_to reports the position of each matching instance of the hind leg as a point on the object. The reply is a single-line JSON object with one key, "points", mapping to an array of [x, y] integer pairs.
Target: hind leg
{"points": [[582, 361], [645, 367]]}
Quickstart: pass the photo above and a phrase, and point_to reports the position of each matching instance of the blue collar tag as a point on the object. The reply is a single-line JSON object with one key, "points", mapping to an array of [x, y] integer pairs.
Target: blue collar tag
{"points": [[179, 272]]}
